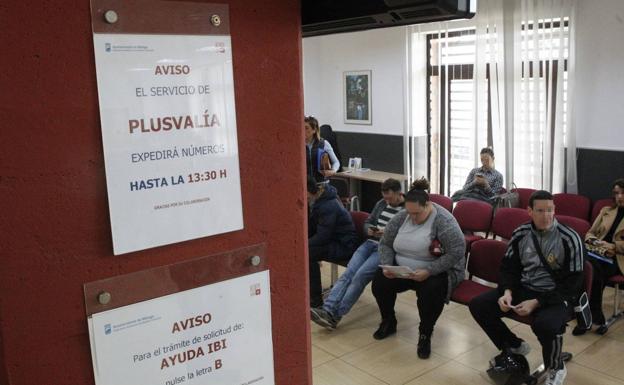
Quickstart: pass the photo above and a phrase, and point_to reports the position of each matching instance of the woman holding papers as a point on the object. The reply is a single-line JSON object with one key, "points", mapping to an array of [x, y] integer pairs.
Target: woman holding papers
{"points": [[407, 242], [605, 239]]}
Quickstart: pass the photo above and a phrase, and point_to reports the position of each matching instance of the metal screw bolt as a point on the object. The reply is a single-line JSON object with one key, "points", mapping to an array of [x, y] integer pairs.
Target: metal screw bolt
{"points": [[255, 260], [111, 16], [215, 20], [104, 297]]}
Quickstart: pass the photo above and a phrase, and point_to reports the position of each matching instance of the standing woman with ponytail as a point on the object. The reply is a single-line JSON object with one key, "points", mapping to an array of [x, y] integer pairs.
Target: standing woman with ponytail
{"points": [[321, 161], [407, 241]]}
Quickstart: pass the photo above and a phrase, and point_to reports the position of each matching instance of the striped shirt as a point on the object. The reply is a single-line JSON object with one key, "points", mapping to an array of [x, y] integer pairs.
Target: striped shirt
{"points": [[386, 215]]}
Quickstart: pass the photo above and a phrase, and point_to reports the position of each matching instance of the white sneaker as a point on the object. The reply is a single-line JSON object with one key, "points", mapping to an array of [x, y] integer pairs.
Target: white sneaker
{"points": [[523, 349], [556, 377]]}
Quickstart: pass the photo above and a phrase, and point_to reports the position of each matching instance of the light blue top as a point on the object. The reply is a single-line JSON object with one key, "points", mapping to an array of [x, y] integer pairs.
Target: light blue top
{"points": [[335, 163]]}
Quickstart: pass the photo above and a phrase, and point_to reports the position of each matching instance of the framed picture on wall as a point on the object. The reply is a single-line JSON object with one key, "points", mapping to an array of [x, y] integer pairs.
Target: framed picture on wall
{"points": [[357, 97]]}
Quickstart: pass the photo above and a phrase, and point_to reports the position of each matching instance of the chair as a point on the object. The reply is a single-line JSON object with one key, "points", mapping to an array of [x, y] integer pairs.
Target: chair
{"points": [[581, 226], [350, 202], [573, 205], [524, 194], [442, 200], [473, 216], [484, 264], [358, 217], [616, 281], [507, 220], [598, 205]]}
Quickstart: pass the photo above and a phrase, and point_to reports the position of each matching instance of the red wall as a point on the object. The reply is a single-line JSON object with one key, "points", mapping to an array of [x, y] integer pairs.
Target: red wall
{"points": [[55, 231]]}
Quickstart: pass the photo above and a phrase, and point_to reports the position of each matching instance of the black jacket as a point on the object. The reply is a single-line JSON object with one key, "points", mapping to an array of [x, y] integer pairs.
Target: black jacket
{"points": [[568, 279], [330, 223]]}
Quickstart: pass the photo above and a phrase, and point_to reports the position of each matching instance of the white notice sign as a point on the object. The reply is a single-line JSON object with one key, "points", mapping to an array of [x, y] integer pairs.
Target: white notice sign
{"points": [[169, 135], [215, 334]]}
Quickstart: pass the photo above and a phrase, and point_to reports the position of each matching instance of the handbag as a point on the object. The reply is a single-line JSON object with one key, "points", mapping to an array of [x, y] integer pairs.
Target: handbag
{"points": [[581, 309], [508, 199], [583, 313]]}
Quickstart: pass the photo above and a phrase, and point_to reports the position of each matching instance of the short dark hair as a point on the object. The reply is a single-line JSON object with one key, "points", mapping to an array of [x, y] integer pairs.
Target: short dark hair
{"points": [[540, 195], [487, 150], [312, 186], [619, 183], [391, 185], [418, 192]]}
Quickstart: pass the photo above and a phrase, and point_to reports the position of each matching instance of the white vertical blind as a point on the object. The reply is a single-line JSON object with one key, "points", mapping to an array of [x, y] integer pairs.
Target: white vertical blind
{"points": [[467, 89]]}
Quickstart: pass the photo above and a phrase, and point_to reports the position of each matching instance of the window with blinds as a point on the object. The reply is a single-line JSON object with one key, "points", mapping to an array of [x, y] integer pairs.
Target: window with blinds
{"points": [[451, 108]]}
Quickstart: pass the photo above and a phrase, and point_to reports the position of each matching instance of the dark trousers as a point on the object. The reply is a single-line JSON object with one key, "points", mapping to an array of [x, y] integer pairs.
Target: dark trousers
{"points": [[601, 273], [548, 324], [431, 295], [333, 252]]}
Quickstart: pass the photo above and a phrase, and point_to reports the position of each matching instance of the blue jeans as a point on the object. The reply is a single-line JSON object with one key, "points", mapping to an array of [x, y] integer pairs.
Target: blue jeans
{"points": [[360, 271]]}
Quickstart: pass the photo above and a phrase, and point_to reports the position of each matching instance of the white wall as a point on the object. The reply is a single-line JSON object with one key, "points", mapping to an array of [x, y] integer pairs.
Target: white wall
{"points": [[599, 104], [382, 51]]}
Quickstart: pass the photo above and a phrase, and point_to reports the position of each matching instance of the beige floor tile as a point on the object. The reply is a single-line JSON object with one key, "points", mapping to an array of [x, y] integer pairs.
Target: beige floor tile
{"points": [[450, 338], [478, 357], [598, 360], [606, 356], [354, 331], [320, 356], [580, 375], [393, 360], [459, 314], [338, 372], [451, 373], [577, 344]]}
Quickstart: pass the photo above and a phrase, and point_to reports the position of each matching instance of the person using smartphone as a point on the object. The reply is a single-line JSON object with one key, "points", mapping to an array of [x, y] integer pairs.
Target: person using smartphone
{"points": [[364, 262], [483, 182]]}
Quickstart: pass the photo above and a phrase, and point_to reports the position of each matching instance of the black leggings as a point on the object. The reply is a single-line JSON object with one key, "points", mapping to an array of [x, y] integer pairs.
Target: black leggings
{"points": [[431, 294], [602, 272]]}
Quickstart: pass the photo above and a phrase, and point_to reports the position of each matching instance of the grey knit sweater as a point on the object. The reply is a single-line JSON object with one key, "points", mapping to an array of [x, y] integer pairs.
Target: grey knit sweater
{"points": [[447, 231]]}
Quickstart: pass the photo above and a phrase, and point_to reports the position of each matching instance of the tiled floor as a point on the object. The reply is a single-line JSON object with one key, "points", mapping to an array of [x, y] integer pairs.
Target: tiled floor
{"points": [[460, 350]]}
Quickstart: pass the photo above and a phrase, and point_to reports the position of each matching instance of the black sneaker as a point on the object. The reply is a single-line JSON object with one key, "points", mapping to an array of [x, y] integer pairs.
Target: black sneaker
{"points": [[579, 331], [424, 346], [322, 317], [386, 328]]}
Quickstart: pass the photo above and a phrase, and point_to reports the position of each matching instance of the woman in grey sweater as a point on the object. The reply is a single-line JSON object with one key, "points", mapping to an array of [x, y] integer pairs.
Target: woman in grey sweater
{"points": [[407, 242]]}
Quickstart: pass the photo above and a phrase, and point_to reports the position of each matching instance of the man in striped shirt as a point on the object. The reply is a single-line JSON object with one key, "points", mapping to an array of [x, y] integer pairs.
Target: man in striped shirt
{"points": [[541, 275], [364, 262]]}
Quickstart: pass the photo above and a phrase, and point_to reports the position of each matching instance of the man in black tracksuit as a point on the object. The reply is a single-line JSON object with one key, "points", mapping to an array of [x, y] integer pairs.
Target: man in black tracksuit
{"points": [[528, 287]]}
